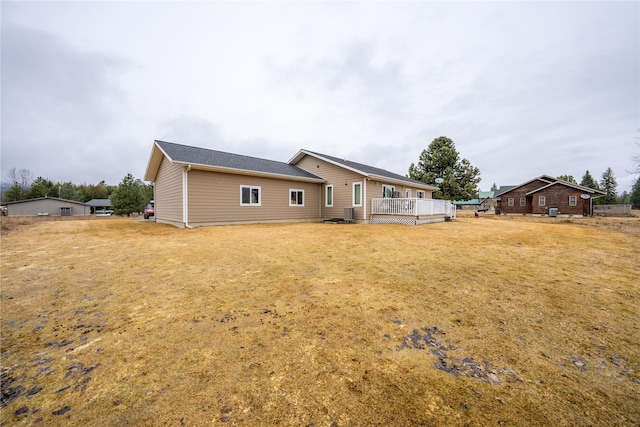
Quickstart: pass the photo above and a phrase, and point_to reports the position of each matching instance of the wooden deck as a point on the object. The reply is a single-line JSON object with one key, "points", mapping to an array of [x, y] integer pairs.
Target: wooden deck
{"points": [[411, 211]]}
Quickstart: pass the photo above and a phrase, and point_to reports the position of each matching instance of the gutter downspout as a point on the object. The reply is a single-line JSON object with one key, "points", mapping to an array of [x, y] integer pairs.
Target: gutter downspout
{"points": [[322, 189], [185, 196], [364, 196]]}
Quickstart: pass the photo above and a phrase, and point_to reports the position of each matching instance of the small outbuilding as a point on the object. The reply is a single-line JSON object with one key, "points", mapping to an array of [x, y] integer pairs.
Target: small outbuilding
{"points": [[484, 202], [99, 205], [47, 206]]}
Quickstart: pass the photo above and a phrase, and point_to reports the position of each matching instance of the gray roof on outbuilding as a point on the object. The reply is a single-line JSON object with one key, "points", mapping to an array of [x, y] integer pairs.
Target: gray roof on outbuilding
{"points": [[99, 203], [205, 157], [45, 198]]}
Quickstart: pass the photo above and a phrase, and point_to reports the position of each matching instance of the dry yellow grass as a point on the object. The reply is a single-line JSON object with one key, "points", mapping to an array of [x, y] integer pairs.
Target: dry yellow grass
{"points": [[485, 321]]}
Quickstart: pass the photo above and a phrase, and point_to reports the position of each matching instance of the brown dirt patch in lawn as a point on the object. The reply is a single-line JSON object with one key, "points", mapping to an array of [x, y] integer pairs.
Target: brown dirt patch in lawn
{"points": [[477, 322]]}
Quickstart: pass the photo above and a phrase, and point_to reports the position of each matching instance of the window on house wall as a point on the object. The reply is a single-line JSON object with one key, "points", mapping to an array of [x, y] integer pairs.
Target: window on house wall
{"points": [[511, 203], [296, 197], [407, 193], [329, 196], [357, 194], [387, 191], [420, 194], [541, 201], [250, 196], [573, 200], [523, 201]]}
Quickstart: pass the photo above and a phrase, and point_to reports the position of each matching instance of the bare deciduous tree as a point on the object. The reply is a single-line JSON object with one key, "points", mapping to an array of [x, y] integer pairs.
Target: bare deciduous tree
{"points": [[22, 177]]}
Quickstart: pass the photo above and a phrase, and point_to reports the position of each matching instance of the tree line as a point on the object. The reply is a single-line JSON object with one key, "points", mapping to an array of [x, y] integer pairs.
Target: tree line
{"points": [[609, 186], [457, 179], [130, 196], [439, 165]]}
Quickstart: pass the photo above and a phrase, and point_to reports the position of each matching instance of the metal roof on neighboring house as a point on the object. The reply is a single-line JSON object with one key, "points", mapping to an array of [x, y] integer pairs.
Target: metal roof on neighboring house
{"points": [[361, 168], [229, 162], [485, 194], [468, 202]]}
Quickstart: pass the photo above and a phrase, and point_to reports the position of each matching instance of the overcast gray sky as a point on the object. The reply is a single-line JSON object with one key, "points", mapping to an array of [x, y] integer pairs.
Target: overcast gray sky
{"points": [[522, 88]]}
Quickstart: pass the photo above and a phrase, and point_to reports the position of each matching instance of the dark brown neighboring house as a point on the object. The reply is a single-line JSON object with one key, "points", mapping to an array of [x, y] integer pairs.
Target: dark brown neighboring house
{"points": [[546, 195]]}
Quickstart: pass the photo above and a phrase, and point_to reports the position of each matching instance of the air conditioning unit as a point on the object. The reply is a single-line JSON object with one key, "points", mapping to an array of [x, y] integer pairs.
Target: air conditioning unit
{"points": [[348, 214], [553, 211]]}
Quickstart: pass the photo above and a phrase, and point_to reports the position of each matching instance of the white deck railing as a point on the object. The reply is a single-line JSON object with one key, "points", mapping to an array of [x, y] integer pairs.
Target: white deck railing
{"points": [[414, 207]]}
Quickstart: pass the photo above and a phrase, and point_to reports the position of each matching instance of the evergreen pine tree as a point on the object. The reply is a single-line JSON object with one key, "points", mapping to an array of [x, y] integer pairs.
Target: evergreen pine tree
{"points": [[442, 160], [568, 178], [609, 186], [589, 182], [128, 197], [635, 195]]}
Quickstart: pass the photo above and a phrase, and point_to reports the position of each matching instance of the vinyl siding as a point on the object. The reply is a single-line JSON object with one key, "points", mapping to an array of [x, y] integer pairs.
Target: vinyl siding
{"points": [[215, 198], [342, 181], [168, 196]]}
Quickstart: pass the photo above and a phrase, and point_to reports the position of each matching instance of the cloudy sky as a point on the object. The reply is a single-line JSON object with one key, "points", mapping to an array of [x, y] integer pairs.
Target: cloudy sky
{"points": [[522, 88]]}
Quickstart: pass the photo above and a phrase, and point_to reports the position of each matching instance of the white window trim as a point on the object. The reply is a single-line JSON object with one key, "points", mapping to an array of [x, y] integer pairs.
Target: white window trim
{"points": [[421, 194], [251, 187], [511, 201], [353, 194], [384, 190], [407, 193], [575, 200], [326, 196], [522, 199], [542, 200], [297, 191]]}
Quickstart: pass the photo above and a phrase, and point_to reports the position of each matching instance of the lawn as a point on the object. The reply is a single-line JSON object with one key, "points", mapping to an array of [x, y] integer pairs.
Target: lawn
{"points": [[483, 321]]}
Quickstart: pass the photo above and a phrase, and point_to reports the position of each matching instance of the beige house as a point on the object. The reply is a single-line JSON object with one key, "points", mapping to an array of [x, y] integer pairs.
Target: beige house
{"points": [[197, 187]]}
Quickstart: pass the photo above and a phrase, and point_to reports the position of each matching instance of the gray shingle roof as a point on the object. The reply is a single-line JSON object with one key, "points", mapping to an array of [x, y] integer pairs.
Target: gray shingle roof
{"points": [[368, 169], [202, 156]]}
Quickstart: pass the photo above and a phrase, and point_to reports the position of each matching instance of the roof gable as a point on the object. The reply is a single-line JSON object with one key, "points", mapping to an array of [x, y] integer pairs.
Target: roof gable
{"points": [[206, 159], [568, 184], [362, 169], [547, 179]]}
